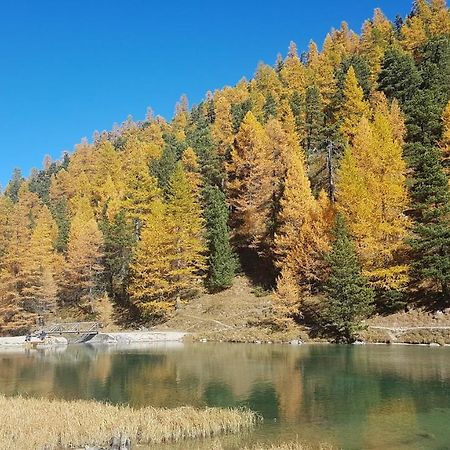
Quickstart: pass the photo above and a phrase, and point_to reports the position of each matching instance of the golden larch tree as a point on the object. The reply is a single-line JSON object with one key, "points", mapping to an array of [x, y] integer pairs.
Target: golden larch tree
{"points": [[169, 260], [251, 183], [222, 128], [40, 288], [79, 276], [372, 195], [301, 238], [353, 106]]}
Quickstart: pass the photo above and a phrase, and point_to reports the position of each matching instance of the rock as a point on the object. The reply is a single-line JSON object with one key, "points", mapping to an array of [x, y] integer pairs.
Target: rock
{"points": [[122, 442]]}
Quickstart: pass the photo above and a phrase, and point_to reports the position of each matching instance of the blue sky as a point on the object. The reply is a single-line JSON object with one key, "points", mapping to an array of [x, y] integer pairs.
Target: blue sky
{"points": [[69, 67]]}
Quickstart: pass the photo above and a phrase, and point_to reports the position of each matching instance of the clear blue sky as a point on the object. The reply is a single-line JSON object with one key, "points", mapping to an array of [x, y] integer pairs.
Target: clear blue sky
{"points": [[69, 67]]}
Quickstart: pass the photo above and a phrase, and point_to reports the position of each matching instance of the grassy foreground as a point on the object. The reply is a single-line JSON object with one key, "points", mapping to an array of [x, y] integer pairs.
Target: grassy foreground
{"points": [[35, 424]]}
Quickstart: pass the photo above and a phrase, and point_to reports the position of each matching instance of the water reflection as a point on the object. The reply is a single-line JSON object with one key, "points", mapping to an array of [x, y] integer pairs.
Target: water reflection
{"points": [[371, 397]]}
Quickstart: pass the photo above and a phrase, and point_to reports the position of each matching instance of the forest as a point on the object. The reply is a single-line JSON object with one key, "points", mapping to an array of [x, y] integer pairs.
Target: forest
{"points": [[324, 178]]}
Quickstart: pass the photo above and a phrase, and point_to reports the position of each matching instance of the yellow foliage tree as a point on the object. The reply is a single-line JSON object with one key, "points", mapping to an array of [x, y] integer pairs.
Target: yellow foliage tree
{"points": [[294, 73], [321, 73], [353, 106], [251, 183], [79, 276], [222, 128], [371, 193], [302, 235], [16, 311], [377, 34], [39, 287], [169, 260]]}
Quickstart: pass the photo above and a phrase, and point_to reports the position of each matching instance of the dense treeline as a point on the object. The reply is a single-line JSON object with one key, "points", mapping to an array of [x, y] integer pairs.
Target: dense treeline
{"points": [[330, 165]]}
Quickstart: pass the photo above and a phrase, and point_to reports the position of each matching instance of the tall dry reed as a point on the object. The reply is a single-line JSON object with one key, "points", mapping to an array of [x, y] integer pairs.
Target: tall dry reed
{"points": [[35, 424]]}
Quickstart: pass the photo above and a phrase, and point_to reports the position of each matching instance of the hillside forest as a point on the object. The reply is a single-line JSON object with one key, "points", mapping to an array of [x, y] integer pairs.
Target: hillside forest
{"points": [[324, 178]]}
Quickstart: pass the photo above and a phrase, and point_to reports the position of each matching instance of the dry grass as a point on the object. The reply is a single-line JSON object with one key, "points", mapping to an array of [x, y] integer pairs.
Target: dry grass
{"points": [[35, 424], [295, 445], [237, 314], [290, 446]]}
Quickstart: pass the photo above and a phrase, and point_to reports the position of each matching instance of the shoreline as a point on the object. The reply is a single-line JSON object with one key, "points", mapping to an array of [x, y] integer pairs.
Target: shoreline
{"points": [[130, 338], [104, 338]]}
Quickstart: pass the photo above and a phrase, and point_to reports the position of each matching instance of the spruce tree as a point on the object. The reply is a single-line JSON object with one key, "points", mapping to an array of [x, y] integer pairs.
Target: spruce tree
{"points": [[119, 242], [222, 261], [431, 234], [348, 298]]}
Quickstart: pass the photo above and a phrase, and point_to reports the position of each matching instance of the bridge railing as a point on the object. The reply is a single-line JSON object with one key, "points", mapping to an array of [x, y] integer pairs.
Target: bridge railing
{"points": [[73, 328]]}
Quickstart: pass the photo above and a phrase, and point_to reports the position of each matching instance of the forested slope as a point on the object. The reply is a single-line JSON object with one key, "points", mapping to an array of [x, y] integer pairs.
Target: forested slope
{"points": [[324, 178]]}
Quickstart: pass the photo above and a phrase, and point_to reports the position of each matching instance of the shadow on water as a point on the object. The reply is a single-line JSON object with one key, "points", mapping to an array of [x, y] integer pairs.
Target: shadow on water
{"points": [[372, 397]]}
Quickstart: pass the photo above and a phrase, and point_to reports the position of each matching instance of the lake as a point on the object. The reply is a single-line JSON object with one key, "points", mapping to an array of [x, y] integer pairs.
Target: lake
{"points": [[354, 397]]}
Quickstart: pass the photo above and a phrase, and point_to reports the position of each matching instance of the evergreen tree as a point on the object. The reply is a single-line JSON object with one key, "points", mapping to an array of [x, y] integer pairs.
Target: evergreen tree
{"points": [[163, 168], [348, 297], [12, 190], [314, 121], [222, 261], [119, 242], [211, 164], [60, 214], [431, 233], [399, 77]]}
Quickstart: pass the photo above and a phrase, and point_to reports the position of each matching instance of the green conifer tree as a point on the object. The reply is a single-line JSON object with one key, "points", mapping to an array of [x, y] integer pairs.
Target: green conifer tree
{"points": [[348, 298], [431, 234], [222, 261]]}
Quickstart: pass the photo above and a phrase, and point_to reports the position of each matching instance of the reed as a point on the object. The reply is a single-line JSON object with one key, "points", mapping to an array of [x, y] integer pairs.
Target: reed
{"points": [[37, 424]]}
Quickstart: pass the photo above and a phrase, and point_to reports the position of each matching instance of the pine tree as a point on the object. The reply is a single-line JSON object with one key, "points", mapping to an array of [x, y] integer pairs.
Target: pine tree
{"points": [[119, 243], [445, 140], [314, 121], [348, 298], [163, 167], [431, 233], [222, 261], [12, 190], [399, 77], [211, 162]]}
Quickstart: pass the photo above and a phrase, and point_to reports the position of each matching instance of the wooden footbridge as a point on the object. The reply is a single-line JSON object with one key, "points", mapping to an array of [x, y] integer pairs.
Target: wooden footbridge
{"points": [[75, 332]]}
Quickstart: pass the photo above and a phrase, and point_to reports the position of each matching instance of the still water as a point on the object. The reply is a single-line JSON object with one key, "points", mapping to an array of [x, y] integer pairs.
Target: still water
{"points": [[353, 397]]}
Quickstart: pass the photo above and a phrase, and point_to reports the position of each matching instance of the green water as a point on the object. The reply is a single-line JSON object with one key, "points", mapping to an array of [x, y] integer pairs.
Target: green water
{"points": [[354, 397]]}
